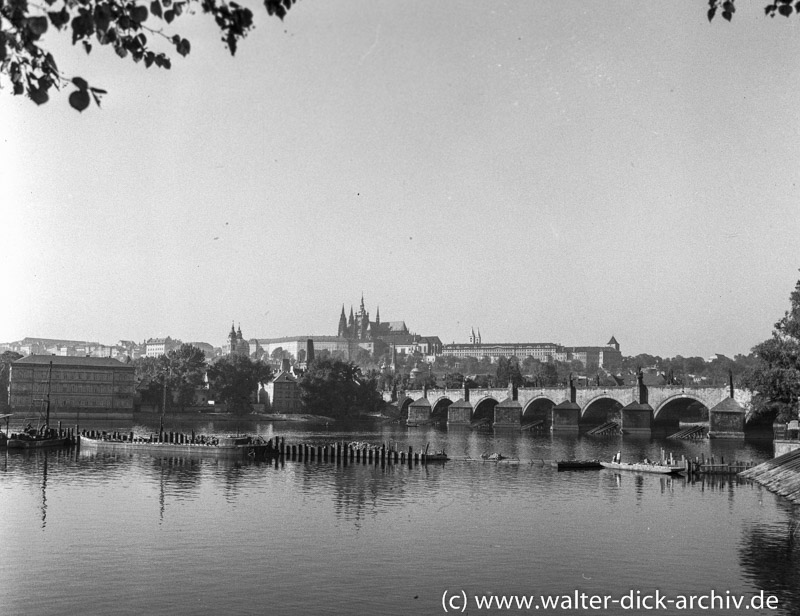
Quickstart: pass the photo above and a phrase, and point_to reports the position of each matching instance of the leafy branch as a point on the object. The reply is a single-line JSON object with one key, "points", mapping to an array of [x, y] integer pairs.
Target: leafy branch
{"points": [[727, 8], [32, 70]]}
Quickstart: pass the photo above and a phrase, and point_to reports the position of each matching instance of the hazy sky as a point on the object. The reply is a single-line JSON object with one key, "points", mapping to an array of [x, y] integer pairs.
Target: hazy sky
{"points": [[544, 171]]}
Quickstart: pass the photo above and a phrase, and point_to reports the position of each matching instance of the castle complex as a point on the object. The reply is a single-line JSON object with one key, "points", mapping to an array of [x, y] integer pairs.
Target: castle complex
{"points": [[359, 328]]}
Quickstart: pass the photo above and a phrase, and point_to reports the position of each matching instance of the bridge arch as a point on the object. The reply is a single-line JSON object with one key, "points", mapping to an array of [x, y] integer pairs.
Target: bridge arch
{"points": [[484, 409], [439, 408], [402, 406], [680, 407], [538, 408], [600, 409]]}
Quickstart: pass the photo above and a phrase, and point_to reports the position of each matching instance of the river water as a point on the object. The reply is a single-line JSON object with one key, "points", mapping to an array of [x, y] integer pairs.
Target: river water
{"points": [[95, 533]]}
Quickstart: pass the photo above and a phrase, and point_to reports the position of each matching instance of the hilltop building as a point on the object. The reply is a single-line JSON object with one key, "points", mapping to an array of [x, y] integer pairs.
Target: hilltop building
{"points": [[608, 357], [237, 345], [377, 336], [156, 347]]}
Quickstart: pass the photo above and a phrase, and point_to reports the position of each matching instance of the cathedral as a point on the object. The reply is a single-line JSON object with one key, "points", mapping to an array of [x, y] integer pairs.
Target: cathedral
{"points": [[359, 327]]}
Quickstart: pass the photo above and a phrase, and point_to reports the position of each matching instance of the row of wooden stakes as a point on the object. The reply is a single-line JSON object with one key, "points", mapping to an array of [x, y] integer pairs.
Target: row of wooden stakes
{"points": [[348, 452]]}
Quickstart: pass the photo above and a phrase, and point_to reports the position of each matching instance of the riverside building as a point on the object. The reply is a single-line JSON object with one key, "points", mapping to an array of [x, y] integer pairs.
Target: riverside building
{"points": [[78, 387]]}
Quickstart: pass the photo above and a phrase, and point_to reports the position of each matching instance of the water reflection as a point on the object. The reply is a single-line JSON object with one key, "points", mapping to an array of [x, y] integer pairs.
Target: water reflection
{"points": [[770, 554], [229, 525]]}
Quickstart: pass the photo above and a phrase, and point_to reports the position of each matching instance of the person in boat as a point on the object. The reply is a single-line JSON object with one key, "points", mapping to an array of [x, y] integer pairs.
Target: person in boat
{"points": [[617, 457]]}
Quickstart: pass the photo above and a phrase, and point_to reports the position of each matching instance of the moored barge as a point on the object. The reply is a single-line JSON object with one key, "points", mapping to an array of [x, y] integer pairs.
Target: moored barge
{"points": [[221, 446]]}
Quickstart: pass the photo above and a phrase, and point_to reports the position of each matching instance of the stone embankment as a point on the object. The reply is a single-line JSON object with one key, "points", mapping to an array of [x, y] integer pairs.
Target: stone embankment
{"points": [[780, 475]]}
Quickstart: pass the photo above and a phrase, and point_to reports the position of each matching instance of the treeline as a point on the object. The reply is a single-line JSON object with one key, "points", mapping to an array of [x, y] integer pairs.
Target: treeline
{"points": [[328, 386], [176, 379]]}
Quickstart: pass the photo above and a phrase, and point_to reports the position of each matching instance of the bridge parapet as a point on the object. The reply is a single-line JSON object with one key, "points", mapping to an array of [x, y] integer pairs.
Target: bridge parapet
{"points": [[624, 395], [554, 394]]}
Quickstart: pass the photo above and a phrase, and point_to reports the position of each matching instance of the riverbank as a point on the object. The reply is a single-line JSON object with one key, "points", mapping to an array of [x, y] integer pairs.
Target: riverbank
{"points": [[780, 475]]}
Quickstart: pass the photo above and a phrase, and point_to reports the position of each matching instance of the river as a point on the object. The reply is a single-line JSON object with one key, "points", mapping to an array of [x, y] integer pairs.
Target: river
{"points": [[111, 534]]}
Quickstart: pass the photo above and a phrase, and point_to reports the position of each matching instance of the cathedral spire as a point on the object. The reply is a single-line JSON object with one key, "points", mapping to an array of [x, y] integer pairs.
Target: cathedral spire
{"points": [[342, 331]]}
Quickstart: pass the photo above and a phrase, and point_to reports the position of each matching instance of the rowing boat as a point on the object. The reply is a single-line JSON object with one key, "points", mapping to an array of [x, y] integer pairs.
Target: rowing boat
{"points": [[644, 467]]}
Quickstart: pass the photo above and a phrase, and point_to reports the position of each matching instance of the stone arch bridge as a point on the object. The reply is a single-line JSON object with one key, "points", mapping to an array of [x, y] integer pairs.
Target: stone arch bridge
{"points": [[638, 408]]}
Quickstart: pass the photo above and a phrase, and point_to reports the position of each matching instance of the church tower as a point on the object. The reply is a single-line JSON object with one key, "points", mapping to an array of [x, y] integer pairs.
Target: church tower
{"points": [[351, 325], [342, 331], [362, 321], [232, 341]]}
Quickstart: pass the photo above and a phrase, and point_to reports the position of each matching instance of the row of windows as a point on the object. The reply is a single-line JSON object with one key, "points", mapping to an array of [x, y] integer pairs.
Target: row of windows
{"points": [[61, 388], [20, 401], [71, 375]]}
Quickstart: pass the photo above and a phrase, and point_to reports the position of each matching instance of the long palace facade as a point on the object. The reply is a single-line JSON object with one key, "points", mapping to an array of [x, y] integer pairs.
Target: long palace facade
{"points": [[592, 357], [99, 387]]}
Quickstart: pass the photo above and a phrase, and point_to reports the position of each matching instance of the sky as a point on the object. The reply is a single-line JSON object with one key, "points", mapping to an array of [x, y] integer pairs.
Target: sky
{"points": [[541, 171]]}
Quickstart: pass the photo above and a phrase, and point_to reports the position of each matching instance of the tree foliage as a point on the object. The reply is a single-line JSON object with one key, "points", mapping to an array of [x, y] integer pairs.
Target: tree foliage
{"points": [[234, 380], [150, 373], [775, 379], [171, 378], [186, 370], [727, 8], [508, 372], [336, 388], [123, 24]]}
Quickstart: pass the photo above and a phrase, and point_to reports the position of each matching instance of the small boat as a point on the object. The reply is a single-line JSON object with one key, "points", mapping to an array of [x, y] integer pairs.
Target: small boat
{"points": [[436, 456], [564, 465], [493, 457], [644, 467], [44, 436], [32, 438], [230, 446]]}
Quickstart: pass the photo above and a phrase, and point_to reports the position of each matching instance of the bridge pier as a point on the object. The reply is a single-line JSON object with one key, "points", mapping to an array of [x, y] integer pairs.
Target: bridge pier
{"points": [[637, 418], [726, 420], [419, 411], [508, 414], [459, 413], [566, 417]]}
